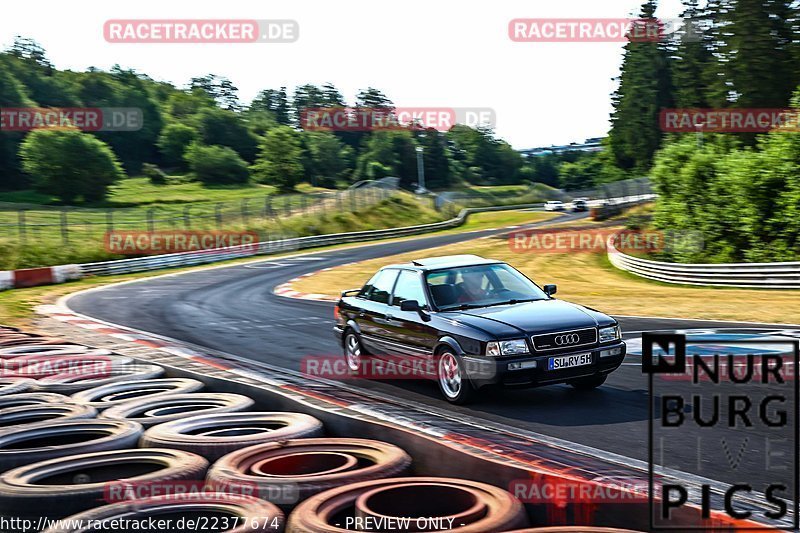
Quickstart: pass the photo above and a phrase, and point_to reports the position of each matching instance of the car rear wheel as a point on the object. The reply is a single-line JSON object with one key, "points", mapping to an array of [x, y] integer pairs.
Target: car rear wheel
{"points": [[452, 379], [353, 351], [589, 383]]}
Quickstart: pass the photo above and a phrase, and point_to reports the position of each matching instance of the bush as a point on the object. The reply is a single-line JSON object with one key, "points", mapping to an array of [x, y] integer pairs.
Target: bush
{"points": [[279, 162], [175, 138], [154, 174], [216, 164], [69, 164]]}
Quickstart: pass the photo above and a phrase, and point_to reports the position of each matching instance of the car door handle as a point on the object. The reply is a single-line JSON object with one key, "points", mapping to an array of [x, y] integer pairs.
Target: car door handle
{"points": [[389, 318]]}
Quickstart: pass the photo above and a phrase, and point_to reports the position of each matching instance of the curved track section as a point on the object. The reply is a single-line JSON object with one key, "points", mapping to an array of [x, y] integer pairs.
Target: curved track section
{"points": [[233, 309]]}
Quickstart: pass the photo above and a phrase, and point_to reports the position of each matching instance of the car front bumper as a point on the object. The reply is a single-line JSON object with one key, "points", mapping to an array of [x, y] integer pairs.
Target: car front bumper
{"points": [[532, 370]]}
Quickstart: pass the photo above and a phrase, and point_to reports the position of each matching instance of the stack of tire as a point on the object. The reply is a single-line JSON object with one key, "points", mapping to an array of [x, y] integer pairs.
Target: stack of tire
{"points": [[163, 448]]}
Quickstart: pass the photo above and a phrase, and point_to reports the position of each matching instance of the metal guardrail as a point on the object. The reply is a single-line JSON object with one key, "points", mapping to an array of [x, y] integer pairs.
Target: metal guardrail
{"points": [[140, 264], [746, 275]]}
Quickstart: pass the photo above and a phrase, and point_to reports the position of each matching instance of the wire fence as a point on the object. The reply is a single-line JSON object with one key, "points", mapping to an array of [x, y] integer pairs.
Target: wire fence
{"points": [[616, 189], [539, 193], [65, 225]]}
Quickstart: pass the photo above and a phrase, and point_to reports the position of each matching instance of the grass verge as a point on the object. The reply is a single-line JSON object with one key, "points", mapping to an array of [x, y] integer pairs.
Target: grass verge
{"points": [[589, 279], [46, 248]]}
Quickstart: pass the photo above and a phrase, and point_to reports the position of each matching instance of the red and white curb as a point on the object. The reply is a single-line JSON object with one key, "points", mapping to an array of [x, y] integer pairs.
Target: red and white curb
{"points": [[63, 314], [286, 290], [32, 277]]}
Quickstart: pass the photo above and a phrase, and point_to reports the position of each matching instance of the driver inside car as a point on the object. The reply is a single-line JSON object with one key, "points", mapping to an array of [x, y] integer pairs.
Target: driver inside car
{"points": [[471, 287]]}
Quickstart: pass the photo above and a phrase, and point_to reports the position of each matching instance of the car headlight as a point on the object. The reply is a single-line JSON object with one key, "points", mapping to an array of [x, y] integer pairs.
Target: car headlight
{"points": [[610, 333], [512, 347]]}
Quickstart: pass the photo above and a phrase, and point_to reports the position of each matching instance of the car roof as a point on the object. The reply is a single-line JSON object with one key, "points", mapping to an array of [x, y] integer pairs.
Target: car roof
{"points": [[445, 261]]}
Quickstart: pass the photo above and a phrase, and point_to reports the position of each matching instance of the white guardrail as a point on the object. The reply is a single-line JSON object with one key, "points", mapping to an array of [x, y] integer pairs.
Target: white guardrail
{"points": [[747, 275], [155, 262]]}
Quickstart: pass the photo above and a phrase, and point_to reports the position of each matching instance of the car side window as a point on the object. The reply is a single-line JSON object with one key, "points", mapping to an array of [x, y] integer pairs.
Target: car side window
{"points": [[381, 286], [408, 287]]}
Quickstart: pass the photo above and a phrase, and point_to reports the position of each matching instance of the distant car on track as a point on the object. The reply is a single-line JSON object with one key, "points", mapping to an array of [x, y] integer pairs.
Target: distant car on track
{"points": [[579, 205], [554, 205], [476, 322]]}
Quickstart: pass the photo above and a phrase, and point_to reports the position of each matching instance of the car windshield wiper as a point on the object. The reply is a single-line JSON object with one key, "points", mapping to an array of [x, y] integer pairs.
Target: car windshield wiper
{"points": [[513, 301], [461, 307]]}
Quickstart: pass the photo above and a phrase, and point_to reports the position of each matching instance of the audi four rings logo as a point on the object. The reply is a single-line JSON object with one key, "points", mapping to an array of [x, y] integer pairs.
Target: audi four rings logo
{"points": [[563, 340]]}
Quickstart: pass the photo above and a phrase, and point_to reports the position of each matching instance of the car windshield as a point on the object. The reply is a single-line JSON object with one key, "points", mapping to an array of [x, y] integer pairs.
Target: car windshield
{"points": [[480, 286]]}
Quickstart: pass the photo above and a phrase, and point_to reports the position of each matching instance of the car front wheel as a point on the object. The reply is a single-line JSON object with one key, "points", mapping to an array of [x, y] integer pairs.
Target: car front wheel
{"points": [[453, 380], [353, 352]]}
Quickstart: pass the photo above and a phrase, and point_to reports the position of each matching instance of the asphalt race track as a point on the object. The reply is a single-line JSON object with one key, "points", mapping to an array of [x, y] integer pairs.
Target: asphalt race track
{"points": [[234, 310]]}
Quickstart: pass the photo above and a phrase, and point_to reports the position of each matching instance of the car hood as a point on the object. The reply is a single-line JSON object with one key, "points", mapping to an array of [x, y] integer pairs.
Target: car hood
{"points": [[541, 316]]}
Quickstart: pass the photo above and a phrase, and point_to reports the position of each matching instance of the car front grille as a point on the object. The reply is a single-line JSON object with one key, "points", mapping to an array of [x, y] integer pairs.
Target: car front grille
{"points": [[564, 340]]}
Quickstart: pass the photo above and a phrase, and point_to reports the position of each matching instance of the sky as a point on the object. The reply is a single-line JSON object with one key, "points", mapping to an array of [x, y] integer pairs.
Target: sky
{"points": [[420, 53]]}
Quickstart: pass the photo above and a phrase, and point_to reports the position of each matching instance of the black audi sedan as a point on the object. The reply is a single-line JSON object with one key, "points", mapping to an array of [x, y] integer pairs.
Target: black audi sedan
{"points": [[473, 322]]}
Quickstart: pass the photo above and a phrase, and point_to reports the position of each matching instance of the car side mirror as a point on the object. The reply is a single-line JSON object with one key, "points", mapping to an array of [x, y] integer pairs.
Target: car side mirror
{"points": [[550, 289], [410, 305]]}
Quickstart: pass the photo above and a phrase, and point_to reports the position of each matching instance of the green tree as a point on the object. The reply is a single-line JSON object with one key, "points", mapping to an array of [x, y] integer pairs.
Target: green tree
{"points": [[326, 158], [12, 94], [216, 165], [755, 56], [692, 59], [394, 150], [644, 89], [438, 172], [280, 159], [275, 102], [226, 128], [69, 164], [175, 138], [220, 89]]}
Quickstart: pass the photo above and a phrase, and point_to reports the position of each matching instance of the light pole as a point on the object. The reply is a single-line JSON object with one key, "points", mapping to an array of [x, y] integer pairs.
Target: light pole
{"points": [[699, 133], [420, 171]]}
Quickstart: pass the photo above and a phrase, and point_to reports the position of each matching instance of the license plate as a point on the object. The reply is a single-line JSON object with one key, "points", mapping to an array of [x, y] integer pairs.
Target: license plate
{"points": [[569, 361]]}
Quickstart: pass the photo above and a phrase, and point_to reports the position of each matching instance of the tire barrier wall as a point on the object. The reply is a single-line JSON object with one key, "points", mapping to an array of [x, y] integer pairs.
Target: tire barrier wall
{"points": [[73, 465]]}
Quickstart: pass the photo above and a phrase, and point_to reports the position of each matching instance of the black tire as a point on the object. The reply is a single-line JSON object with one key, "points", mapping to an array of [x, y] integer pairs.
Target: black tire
{"points": [[15, 386], [21, 339], [112, 394], [592, 382], [464, 392], [291, 471], [51, 350], [72, 484], [213, 436], [247, 513], [32, 398], [153, 411], [40, 442], [71, 383], [55, 413]]}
